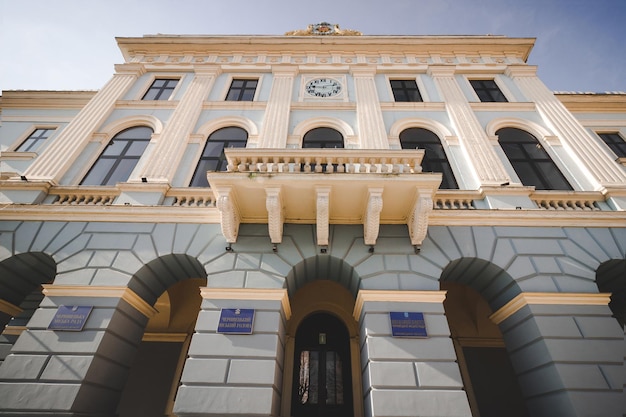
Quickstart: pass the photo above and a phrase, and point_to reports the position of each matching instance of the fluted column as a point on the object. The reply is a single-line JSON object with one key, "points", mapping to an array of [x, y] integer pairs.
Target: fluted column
{"points": [[587, 150], [166, 157], [61, 154], [372, 132], [472, 136], [276, 120]]}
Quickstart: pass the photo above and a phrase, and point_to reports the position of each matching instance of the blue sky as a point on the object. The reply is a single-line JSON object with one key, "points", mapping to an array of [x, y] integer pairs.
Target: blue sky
{"points": [[70, 44]]}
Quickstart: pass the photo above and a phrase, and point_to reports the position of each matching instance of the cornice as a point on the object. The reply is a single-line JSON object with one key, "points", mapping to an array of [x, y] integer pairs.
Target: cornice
{"points": [[365, 296], [593, 103], [261, 294], [547, 298], [211, 215], [36, 99], [83, 291]]}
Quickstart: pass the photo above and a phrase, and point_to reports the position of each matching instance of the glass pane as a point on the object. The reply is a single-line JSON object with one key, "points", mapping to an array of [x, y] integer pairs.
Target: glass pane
{"points": [[536, 151], [229, 133], [213, 149], [98, 172], [248, 95], [308, 377], [115, 147], [139, 132], [136, 148], [122, 171]]}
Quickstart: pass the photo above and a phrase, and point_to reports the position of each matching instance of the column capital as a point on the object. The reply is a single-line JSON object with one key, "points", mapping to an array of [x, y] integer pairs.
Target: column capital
{"points": [[395, 296], [441, 71], [259, 294], [130, 69], [521, 71]]}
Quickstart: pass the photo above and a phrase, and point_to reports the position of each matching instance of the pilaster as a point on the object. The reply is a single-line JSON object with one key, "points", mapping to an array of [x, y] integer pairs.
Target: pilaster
{"points": [[472, 137], [172, 143], [61, 154], [235, 374], [405, 376], [275, 127], [372, 133], [585, 149]]}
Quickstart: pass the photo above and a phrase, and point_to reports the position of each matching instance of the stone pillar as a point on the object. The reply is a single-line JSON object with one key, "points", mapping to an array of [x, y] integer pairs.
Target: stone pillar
{"points": [[372, 132], [235, 374], [567, 352], [275, 128], [586, 149], [169, 150], [74, 373], [472, 137], [408, 376], [61, 154]]}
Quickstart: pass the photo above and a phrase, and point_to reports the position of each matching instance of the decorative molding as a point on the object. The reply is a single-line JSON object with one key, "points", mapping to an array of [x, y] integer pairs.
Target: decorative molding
{"points": [[418, 218], [85, 291], [164, 337], [371, 219], [275, 214], [548, 298], [10, 309], [261, 294], [392, 296], [322, 204], [230, 218], [13, 330]]}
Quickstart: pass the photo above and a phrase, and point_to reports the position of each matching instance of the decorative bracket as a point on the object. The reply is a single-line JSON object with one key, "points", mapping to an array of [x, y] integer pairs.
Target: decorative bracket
{"points": [[275, 214], [322, 214], [228, 211], [371, 220], [418, 218]]}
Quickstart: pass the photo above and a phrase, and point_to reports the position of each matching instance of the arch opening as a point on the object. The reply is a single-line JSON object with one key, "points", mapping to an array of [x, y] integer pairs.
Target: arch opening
{"points": [[611, 277]]}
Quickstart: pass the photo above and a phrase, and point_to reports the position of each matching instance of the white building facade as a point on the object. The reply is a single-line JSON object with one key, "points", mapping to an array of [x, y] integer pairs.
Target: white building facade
{"points": [[317, 185]]}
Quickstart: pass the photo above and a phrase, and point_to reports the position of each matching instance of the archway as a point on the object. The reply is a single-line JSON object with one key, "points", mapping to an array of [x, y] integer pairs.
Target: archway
{"points": [[322, 295], [155, 372], [488, 375], [611, 277]]}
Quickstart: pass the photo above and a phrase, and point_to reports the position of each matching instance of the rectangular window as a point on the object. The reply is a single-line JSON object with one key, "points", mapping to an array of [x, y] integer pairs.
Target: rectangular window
{"points": [[34, 140], [488, 91], [616, 142], [161, 89], [242, 90], [405, 91]]}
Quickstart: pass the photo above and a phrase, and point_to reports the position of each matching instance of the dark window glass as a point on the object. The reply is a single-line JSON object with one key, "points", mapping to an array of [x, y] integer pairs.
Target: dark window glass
{"points": [[213, 158], [119, 158], [405, 90], [242, 90], [616, 142], [161, 89], [435, 159], [531, 162], [488, 91], [34, 140], [322, 137]]}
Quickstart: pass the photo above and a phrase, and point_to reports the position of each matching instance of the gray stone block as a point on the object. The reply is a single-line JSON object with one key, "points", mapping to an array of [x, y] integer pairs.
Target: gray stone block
{"points": [[46, 341], [204, 371], [615, 375], [221, 401], [391, 375], [258, 279], [599, 327], [431, 375], [29, 396], [250, 346], [581, 376], [18, 366], [253, 372], [230, 279], [411, 403], [386, 348], [67, 368]]}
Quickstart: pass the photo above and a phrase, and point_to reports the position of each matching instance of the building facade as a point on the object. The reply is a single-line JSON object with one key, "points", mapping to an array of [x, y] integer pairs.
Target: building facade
{"points": [[320, 223]]}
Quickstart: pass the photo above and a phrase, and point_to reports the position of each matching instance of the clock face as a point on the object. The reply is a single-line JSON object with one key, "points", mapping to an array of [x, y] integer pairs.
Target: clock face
{"points": [[323, 87]]}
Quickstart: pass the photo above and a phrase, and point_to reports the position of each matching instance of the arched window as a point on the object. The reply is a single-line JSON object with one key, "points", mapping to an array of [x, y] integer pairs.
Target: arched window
{"points": [[435, 159], [322, 137], [119, 158], [531, 162], [213, 158]]}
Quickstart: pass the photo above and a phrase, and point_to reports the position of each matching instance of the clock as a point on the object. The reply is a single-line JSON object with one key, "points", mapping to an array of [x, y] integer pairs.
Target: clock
{"points": [[323, 87]]}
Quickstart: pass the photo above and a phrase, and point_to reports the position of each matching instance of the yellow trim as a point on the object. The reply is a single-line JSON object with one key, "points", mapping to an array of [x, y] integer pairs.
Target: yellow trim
{"points": [[10, 309], [124, 293], [13, 330], [249, 294], [396, 297], [548, 298], [164, 337]]}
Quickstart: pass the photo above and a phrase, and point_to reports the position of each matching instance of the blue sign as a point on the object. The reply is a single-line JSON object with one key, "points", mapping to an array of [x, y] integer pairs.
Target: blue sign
{"points": [[70, 318], [236, 321], [405, 324]]}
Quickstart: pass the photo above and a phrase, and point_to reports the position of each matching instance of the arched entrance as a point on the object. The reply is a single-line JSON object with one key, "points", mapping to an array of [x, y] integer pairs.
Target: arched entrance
{"points": [[322, 362]]}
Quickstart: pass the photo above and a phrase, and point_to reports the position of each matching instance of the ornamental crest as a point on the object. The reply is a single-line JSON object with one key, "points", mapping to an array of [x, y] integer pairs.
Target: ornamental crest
{"points": [[323, 29]]}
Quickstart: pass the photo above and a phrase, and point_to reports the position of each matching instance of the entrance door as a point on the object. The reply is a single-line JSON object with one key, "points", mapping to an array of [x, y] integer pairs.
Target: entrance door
{"points": [[322, 381]]}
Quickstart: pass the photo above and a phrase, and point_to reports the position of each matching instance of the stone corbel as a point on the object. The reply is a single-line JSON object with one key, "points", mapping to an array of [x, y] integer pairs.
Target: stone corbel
{"points": [[229, 213], [323, 214], [275, 214], [371, 220], [418, 218]]}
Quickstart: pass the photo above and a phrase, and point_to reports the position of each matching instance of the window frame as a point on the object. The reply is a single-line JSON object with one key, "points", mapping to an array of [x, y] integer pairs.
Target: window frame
{"points": [[418, 85], [236, 77], [503, 90], [156, 77], [619, 157], [24, 137]]}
